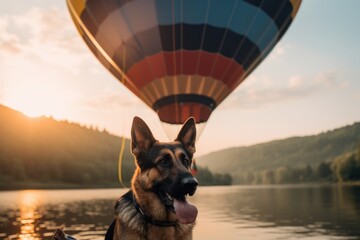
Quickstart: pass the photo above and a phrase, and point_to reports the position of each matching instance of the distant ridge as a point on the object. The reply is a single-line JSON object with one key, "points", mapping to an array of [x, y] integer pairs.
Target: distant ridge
{"points": [[294, 152]]}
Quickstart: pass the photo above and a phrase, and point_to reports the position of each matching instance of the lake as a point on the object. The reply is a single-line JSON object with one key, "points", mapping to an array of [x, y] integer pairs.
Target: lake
{"points": [[235, 212]]}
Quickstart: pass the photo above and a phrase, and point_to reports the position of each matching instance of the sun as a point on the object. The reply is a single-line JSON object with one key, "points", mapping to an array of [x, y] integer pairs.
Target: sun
{"points": [[34, 112], [35, 106], [36, 100]]}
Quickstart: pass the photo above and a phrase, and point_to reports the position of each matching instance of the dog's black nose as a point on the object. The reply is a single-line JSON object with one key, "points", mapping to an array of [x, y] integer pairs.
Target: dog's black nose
{"points": [[189, 185]]}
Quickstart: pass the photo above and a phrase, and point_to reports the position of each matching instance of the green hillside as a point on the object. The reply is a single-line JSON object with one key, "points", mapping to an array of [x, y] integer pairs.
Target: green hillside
{"points": [[301, 153], [45, 153]]}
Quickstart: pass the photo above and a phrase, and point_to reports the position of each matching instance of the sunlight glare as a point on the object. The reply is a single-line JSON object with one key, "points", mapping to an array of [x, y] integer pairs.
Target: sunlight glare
{"points": [[28, 215], [35, 100], [33, 105], [35, 90]]}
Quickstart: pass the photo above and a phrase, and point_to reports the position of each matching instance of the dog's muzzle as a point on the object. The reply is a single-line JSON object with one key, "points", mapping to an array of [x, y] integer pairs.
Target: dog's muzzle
{"points": [[189, 185]]}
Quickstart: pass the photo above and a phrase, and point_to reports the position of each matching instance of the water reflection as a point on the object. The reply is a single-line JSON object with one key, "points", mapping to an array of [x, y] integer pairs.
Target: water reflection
{"points": [[28, 215], [36, 214], [286, 212], [276, 212]]}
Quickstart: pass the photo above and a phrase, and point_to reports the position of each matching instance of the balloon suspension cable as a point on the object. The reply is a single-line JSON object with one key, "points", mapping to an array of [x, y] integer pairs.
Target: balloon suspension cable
{"points": [[121, 154]]}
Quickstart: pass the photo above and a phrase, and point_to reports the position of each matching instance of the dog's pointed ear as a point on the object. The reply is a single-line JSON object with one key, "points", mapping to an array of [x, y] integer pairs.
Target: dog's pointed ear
{"points": [[141, 137], [187, 135]]}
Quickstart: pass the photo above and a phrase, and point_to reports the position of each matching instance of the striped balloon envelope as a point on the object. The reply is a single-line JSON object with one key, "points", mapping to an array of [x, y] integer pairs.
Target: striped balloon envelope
{"points": [[182, 57]]}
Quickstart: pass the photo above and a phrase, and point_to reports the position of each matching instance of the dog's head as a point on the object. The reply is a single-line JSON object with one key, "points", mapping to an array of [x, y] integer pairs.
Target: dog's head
{"points": [[165, 167]]}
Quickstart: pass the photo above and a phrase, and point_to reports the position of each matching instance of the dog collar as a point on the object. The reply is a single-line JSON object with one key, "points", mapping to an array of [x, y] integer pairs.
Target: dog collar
{"points": [[149, 219]]}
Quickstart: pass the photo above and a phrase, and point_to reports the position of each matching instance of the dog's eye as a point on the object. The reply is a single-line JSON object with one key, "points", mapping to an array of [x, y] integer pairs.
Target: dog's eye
{"points": [[165, 162], [185, 160]]}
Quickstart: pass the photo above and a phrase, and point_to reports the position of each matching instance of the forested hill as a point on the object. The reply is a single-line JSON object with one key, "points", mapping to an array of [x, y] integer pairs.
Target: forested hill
{"points": [[45, 150], [45, 153], [263, 163]]}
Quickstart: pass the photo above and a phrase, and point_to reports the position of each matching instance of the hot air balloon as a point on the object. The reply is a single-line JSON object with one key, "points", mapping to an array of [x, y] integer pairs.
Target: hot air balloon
{"points": [[182, 57]]}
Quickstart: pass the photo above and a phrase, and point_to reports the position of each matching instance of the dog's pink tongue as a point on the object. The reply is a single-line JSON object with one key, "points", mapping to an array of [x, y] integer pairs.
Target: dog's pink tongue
{"points": [[185, 212]]}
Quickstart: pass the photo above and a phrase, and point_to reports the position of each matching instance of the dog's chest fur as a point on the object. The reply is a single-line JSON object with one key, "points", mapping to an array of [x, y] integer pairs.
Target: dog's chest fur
{"points": [[131, 225]]}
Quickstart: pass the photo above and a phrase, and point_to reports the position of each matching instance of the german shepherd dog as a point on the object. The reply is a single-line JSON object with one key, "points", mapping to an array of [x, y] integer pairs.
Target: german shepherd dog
{"points": [[156, 206]]}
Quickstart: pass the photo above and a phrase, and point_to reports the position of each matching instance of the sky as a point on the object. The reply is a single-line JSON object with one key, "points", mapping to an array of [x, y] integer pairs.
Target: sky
{"points": [[308, 84]]}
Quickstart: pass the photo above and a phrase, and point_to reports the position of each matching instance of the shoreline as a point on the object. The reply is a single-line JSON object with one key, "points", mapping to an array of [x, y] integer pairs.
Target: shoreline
{"points": [[54, 186], [67, 186]]}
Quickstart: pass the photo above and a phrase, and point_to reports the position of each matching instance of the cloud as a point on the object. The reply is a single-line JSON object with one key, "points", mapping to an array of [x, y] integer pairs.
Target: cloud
{"points": [[9, 43], [327, 79], [279, 51], [257, 94], [357, 95], [50, 27], [112, 100], [45, 35], [295, 82]]}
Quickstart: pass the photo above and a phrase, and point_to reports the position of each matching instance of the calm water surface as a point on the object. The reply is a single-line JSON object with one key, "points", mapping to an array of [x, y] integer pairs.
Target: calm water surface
{"points": [[237, 212]]}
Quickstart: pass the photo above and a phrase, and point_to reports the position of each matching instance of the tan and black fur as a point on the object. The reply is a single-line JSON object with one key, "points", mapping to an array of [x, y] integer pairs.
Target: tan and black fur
{"points": [[162, 174]]}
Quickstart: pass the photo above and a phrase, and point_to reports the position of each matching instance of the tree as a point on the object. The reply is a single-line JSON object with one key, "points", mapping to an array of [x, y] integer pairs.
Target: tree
{"points": [[269, 177], [324, 170], [17, 169], [204, 176], [308, 173], [281, 175], [346, 167]]}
